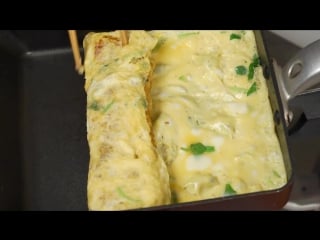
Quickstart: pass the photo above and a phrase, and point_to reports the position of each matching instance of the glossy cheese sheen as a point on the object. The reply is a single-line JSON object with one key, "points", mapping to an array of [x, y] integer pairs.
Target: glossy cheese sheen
{"points": [[125, 171], [199, 97]]}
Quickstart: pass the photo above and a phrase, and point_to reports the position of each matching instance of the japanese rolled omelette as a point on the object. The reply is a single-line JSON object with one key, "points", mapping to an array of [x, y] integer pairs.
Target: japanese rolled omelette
{"points": [[125, 172], [204, 130]]}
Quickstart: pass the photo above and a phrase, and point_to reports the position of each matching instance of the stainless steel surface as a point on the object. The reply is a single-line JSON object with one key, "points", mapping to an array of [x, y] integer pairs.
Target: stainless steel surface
{"points": [[292, 206], [302, 72], [299, 75], [305, 142], [288, 115]]}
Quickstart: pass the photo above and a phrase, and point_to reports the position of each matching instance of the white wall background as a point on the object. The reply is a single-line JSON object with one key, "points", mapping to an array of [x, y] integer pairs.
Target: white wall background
{"points": [[299, 37]]}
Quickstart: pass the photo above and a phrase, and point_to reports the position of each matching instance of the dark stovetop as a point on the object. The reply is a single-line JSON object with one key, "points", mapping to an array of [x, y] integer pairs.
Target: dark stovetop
{"points": [[304, 144]]}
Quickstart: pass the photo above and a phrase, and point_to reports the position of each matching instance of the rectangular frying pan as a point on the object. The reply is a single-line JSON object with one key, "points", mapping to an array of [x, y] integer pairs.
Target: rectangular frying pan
{"points": [[44, 152]]}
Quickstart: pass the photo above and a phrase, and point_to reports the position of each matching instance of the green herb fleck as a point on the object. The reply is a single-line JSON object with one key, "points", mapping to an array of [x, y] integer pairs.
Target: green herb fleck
{"points": [[241, 70], [106, 108], [94, 106], [136, 60], [103, 68], [256, 60], [251, 71], [255, 63], [124, 195], [229, 190], [159, 44], [235, 36], [243, 32], [174, 197], [276, 173], [199, 148], [182, 35], [238, 89], [143, 102], [183, 78], [252, 89]]}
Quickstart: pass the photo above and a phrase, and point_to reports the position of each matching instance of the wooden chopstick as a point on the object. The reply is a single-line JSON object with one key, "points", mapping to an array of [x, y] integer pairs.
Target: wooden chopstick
{"points": [[123, 37], [76, 51]]}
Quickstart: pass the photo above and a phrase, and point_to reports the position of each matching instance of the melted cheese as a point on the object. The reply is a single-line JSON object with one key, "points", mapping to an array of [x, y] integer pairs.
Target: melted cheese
{"points": [[198, 97]]}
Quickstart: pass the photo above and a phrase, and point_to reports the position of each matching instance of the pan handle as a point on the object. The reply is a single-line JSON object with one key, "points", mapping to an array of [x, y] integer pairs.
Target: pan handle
{"points": [[301, 73]]}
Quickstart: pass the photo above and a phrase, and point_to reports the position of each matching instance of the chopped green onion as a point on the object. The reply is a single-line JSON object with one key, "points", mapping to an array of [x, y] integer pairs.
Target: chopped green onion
{"points": [[255, 63], [252, 89], [159, 44], [241, 70], [210, 149], [182, 35], [94, 106], [276, 173], [229, 190], [256, 60], [174, 197], [143, 102], [199, 148], [124, 195], [106, 108], [103, 68], [251, 71], [183, 78], [235, 36], [238, 89]]}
